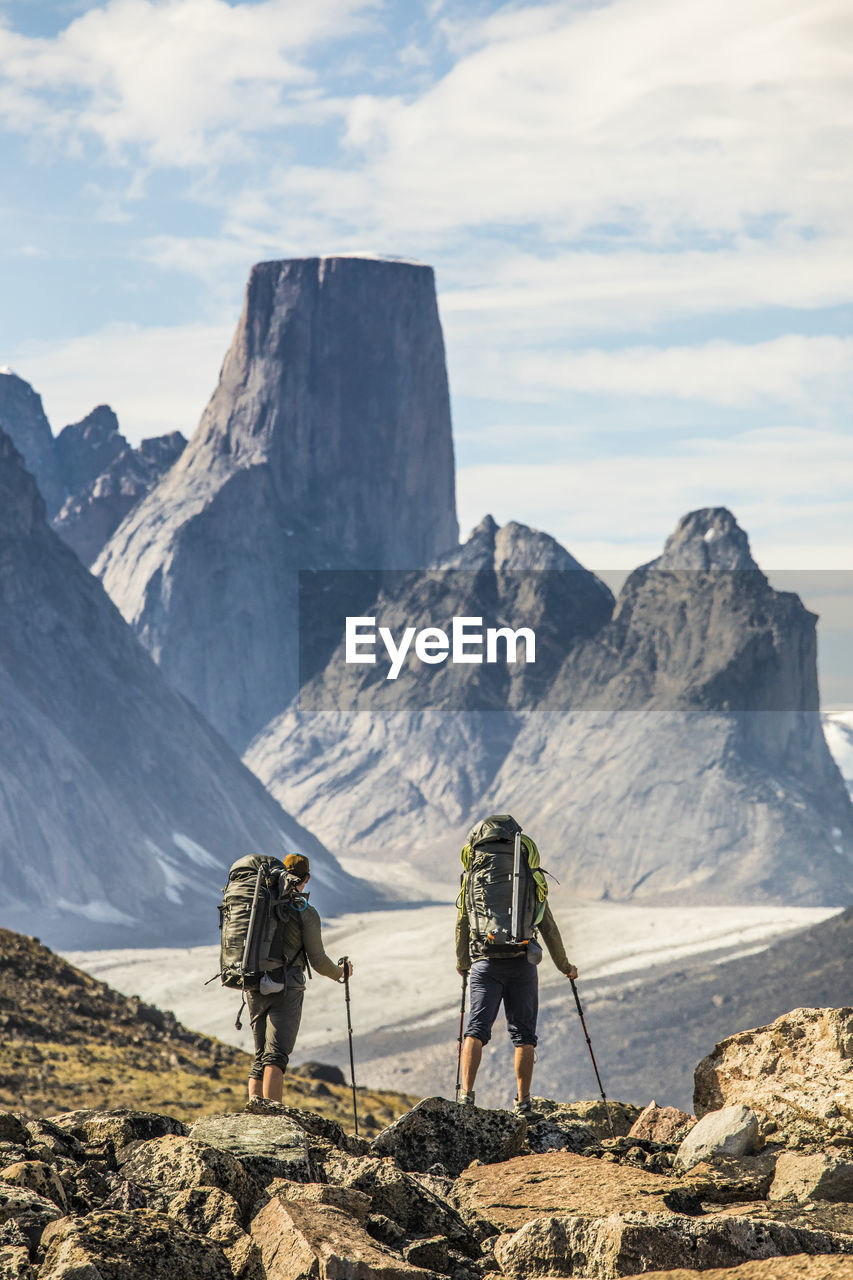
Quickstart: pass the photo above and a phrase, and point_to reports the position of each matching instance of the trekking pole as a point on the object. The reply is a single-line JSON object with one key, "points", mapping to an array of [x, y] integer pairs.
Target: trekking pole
{"points": [[344, 963], [592, 1055], [461, 1024]]}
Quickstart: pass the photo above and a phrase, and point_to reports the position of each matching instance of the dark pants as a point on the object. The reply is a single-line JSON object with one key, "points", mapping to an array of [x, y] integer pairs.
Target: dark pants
{"points": [[513, 983], [275, 1023]]}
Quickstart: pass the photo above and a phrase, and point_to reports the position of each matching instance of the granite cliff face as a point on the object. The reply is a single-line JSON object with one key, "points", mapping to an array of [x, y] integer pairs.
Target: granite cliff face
{"points": [[671, 752], [120, 808], [96, 507], [326, 444], [23, 419]]}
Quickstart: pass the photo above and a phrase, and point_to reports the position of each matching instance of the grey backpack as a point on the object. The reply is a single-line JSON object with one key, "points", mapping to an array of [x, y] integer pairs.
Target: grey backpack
{"points": [[501, 893], [259, 896]]}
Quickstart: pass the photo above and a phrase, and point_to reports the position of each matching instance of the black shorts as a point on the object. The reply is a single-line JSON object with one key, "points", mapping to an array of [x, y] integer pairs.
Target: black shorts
{"points": [[515, 983]]}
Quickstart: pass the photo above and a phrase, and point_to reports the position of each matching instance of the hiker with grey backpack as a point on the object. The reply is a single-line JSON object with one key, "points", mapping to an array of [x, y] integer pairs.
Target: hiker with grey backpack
{"points": [[503, 907], [271, 937]]}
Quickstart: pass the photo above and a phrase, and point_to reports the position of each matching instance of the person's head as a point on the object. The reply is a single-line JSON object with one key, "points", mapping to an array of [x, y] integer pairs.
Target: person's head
{"points": [[296, 864]]}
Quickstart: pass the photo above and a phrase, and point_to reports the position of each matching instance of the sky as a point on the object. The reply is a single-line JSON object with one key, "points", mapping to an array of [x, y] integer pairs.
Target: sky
{"points": [[637, 211]]}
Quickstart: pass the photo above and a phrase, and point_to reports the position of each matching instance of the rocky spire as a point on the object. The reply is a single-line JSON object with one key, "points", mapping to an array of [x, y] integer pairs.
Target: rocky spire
{"points": [[87, 448], [326, 444], [23, 419]]}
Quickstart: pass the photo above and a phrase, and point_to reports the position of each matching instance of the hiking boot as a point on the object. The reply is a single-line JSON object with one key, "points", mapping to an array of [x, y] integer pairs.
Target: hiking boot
{"points": [[524, 1107], [465, 1099]]}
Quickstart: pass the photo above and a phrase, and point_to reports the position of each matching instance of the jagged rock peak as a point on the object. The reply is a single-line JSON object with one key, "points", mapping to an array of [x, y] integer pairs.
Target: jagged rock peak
{"points": [[86, 448], [22, 417], [21, 504], [707, 539], [94, 511], [511, 547], [163, 450]]}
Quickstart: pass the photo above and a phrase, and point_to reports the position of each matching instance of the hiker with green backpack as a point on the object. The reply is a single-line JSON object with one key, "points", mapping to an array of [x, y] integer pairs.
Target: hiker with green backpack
{"points": [[503, 905], [271, 935]]}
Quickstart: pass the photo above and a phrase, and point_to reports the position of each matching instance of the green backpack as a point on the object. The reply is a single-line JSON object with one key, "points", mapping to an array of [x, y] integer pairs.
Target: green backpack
{"points": [[504, 910], [259, 896]]}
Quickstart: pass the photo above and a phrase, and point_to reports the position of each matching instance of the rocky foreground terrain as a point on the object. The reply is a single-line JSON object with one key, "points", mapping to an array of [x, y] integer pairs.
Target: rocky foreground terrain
{"points": [[761, 1186], [98, 1181]]}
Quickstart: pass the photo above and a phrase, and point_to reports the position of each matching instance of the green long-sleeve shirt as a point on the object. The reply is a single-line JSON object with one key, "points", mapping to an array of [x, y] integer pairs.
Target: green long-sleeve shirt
{"points": [[306, 930], [548, 929]]}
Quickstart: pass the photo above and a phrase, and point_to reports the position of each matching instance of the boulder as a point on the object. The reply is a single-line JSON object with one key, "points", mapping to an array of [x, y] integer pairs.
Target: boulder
{"points": [[174, 1164], [623, 1244], [796, 1074], [440, 1132], [356, 1203], [130, 1246], [323, 1071], [320, 1242], [571, 1135], [662, 1124], [723, 1180], [732, 1131], [36, 1176], [509, 1195], [591, 1112], [88, 1186], [120, 1127], [48, 1141], [207, 1211], [799, 1267], [431, 1252], [315, 1125], [12, 1129], [826, 1175], [127, 1196], [24, 1214], [15, 1262], [413, 1201], [268, 1146]]}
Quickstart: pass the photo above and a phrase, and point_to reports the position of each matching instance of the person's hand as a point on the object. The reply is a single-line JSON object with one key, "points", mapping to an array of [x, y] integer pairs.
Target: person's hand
{"points": [[347, 968], [463, 971], [571, 972]]}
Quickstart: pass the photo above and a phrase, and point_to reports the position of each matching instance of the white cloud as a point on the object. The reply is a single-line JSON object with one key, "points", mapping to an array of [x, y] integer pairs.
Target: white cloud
{"points": [[188, 81], [156, 380], [613, 511], [791, 370], [664, 116]]}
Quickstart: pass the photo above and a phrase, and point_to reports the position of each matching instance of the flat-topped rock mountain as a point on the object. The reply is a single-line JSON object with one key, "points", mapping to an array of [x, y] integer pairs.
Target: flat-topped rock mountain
{"points": [[327, 444], [120, 808], [668, 748]]}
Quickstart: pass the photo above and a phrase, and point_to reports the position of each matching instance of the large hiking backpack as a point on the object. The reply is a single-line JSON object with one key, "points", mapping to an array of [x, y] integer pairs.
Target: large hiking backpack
{"points": [[490, 889], [259, 896]]}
